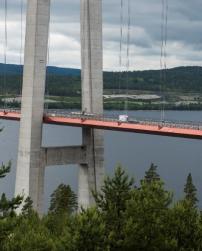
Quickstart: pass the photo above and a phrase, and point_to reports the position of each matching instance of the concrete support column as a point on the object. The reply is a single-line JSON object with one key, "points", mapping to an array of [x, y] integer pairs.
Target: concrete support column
{"points": [[91, 174], [92, 56], [30, 166]]}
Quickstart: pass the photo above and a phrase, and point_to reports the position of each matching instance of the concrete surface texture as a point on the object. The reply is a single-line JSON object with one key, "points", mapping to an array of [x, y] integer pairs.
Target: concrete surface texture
{"points": [[30, 169], [32, 158], [91, 174]]}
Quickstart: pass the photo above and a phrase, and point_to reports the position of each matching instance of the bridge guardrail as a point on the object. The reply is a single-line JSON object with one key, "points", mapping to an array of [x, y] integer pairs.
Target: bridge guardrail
{"points": [[10, 110], [133, 120], [114, 118]]}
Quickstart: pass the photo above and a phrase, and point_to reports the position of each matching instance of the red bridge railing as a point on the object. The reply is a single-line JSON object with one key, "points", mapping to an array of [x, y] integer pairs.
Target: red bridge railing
{"points": [[186, 129]]}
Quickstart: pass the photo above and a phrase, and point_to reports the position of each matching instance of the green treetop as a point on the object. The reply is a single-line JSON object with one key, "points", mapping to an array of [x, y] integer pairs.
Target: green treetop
{"points": [[63, 200], [7, 207], [190, 191], [112, 202], [5, 169], [151, 174]]}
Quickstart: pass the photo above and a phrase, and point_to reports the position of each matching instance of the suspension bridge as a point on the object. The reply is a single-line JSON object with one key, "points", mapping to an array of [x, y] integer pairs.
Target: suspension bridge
{"points": [[32, 157]]}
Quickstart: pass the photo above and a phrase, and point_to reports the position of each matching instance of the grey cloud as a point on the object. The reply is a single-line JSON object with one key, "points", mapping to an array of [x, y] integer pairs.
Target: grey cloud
{"points": [[184, 36]]}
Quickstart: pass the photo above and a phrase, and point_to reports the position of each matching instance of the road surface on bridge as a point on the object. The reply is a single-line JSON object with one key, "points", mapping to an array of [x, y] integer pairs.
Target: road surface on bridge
{"points": [[165, 128]]}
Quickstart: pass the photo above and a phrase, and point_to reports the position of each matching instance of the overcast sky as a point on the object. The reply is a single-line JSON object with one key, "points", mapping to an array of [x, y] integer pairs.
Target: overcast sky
{"points": [[184, 46]]}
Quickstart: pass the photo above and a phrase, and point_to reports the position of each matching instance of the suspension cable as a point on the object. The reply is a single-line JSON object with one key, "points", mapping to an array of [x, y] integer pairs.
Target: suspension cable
{"points": [[90, 54], [5, 51], [166, 37], [46, 104], [21, 30], [21, 46], [163, 56], [165, 51], [162, 38], [128, 54], [121, 34], [120, 49]]}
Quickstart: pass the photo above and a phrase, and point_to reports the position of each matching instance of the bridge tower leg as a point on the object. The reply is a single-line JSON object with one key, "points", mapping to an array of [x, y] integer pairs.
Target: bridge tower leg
{"points": [[91, 174], [30, 167], [32, 157]]}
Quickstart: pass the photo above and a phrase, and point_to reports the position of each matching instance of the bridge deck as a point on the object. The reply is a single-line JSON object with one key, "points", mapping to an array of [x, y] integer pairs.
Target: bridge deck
{"points": [[115, 125]]}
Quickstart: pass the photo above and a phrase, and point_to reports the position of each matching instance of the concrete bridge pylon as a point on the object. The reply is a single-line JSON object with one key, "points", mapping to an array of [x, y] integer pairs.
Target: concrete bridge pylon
{"points": [[32, 157], [91, 175]]}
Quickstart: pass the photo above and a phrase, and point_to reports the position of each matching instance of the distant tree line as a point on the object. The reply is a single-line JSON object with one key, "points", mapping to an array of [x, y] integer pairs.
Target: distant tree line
{"points": [[126, 216], [180, 79], [186, 79]]}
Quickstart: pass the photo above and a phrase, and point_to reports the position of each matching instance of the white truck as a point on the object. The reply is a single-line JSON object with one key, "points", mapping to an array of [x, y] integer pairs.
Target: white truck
{"points": [[123, 118]]}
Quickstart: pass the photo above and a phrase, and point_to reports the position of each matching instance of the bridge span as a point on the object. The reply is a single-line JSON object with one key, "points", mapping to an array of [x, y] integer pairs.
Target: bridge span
{"points": [[143, 126]]}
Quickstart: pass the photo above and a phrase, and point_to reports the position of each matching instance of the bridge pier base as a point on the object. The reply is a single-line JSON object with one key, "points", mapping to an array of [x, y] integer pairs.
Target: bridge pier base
{"points": [[90, 159]]}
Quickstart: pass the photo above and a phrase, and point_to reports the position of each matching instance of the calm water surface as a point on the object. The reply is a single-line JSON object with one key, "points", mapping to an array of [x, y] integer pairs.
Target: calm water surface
{"points": [[175, 157]]}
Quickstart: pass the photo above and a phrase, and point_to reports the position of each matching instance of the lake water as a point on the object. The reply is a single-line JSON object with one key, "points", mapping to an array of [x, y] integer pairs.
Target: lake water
{"points": [[175, 157]]}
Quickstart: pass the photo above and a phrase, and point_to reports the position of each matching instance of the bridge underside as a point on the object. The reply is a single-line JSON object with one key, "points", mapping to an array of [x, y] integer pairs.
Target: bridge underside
{"points": [[115, 126]]}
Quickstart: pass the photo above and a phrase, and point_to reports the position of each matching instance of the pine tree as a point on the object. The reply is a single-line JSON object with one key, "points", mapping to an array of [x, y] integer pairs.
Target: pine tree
{"points": [[63, 199], [184, 226], [146, 217], [27, 207], [112, 202], [7, 210], [8, 207], [87, 232], [3, 205], [151, 174], [5, 169], [190, 191]]}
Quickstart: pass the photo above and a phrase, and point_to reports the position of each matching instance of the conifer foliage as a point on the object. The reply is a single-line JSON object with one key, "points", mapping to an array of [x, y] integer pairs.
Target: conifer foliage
{"points": [[124, 218], [152, 175], [190, 191], [8, 207], [5, 169], [63, 199]]}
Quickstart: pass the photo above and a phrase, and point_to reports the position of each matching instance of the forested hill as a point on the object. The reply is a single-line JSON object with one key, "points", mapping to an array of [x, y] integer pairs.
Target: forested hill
{"points": [[66, 81], [177, 79], [13, 69]]}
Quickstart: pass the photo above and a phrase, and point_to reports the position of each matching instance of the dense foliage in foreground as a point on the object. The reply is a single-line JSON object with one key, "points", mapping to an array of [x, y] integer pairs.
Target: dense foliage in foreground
{"points": [[125, 217]]}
